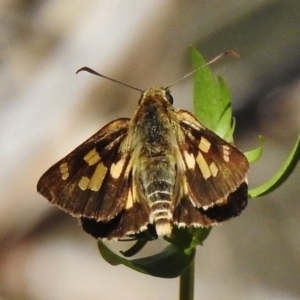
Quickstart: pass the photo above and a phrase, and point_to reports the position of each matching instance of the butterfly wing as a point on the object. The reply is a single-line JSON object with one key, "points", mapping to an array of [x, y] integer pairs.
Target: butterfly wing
{"points": [[94, 182], [128, 222], [131, 220], [90, 181], [186, 214], [214, 176]]}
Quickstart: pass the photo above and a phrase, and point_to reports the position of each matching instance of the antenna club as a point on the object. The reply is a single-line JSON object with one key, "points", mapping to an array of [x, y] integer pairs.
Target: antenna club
{"points": [[81, 69], [232, 53]]}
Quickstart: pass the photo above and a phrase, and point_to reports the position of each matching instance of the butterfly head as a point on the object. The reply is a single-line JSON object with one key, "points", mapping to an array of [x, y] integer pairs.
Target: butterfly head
{"points": [[158, 93]]}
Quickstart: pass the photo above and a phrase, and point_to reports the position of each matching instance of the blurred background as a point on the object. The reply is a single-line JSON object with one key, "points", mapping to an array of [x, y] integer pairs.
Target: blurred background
{"points": [[47, 110]]}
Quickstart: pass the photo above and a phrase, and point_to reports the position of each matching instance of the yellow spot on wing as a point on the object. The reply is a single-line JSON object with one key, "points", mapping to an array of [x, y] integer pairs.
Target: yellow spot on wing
{"points": [[184, 187], [92, 157], [213, 169], [64, 170], [97, 177], [204, 145], [189, 159], [204, 168], [226, 151], [129, 200], [116, 169], [83, 183], [134, 192]]}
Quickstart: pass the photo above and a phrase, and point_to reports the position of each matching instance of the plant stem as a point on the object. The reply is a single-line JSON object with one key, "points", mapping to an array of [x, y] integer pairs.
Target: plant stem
{"points": [[186, 284]]}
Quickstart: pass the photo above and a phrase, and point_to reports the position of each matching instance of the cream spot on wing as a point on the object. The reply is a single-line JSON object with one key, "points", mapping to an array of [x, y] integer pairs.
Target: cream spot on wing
{"points": [[129, 200], [189, 119], [204, 168], [204, 145], [83, 183], [226, 151], [184, 189], [64, 170], [213, 169], [116, 169], [92, 157], [134, 193], [189, 159], [97, 178]]}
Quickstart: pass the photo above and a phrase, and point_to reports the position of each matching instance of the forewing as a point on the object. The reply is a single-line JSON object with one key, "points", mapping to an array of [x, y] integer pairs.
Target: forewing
{"points": [[91, 181], [213, 168]]}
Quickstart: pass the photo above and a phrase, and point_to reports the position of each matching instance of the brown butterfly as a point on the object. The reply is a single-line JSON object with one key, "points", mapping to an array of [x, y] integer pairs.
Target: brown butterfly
{"points": [[159, 169]]}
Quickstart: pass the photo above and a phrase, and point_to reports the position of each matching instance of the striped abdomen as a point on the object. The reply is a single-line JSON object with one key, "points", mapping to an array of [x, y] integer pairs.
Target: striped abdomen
{"points": [[159, 191]]}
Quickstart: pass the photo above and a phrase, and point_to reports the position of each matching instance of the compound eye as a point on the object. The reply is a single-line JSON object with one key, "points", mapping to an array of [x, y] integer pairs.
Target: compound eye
{"points": [[169, 97]]}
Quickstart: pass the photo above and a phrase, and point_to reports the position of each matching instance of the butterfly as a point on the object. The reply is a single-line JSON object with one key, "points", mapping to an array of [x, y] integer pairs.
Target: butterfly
{"points": [[159, 169]]}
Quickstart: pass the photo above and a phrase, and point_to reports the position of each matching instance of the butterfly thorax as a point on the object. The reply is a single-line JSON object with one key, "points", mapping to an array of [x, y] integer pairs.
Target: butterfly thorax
{"points": [[154, 132]]}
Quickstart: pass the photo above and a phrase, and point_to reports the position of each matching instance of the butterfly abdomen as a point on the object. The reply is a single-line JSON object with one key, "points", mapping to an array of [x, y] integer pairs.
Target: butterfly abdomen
{"points": [[159, 192]]}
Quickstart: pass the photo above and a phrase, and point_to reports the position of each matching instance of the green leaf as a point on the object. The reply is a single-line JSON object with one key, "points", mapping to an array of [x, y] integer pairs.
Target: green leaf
{"points": [[169, 263], [137, 247], [255, 154], [281, 175], [212, 103]]}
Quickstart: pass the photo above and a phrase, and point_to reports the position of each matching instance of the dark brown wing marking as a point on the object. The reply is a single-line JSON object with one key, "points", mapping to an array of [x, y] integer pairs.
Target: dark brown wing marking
{"points": [[186, 214]]}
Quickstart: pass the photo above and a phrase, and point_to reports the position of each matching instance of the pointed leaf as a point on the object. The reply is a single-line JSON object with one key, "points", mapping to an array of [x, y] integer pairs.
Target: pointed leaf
{"points": [[255, 154], [225, 127], [281, 176], [212, 102]]}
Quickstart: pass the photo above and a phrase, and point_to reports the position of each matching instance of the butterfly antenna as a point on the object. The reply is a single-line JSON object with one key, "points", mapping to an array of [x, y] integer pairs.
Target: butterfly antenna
{"points": [[87, 69], [226, 53]]}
